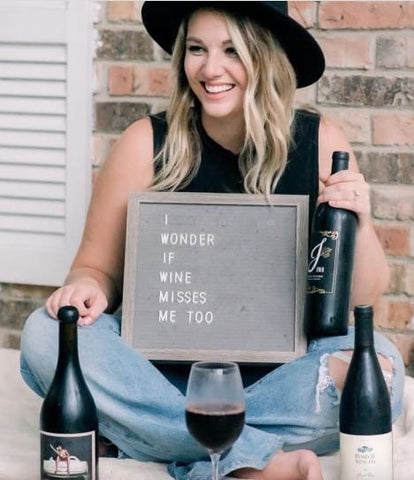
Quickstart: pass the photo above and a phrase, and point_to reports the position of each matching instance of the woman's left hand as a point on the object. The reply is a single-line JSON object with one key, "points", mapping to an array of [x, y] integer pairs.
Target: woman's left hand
{"points": [[349, 190]]}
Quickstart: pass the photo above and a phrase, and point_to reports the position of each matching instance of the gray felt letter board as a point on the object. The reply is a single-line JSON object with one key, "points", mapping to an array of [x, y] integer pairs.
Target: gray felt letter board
{"points": [[215, 276]]}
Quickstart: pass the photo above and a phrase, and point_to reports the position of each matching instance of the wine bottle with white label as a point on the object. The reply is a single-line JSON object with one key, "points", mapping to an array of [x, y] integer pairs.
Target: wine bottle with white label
{"points": [[330, 265], [365, 420], [68, 417]]}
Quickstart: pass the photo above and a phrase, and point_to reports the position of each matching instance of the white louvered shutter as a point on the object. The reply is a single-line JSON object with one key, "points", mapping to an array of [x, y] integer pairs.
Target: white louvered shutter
{"points": [[45, 132]]}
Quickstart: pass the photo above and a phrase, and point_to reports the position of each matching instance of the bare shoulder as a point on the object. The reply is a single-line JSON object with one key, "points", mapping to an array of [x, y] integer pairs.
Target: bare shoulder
{"points": [[138, 136], [132, 155], [332, 138]]}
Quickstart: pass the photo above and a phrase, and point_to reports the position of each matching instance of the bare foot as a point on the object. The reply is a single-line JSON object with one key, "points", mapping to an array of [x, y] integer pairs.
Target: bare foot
{"points": [[296, 465]]}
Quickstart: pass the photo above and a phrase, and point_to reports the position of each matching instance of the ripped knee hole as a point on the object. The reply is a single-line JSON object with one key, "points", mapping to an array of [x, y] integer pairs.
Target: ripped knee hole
{"points": [[338, 364]]}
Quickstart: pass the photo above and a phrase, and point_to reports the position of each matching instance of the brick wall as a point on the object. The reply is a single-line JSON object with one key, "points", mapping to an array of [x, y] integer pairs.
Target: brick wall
{"points": [[368, 88]]}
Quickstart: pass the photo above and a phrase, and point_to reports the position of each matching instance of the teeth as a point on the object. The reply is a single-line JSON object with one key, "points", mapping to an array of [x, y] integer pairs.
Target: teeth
{"points": [[218, 88]]}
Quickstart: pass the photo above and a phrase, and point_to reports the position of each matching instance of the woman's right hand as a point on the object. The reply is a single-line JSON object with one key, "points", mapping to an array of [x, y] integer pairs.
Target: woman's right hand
{"points": [[84, 294]]}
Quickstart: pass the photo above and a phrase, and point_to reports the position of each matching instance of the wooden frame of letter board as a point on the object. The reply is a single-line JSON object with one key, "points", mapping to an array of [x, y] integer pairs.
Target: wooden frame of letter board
{"points": [[157, 203]]}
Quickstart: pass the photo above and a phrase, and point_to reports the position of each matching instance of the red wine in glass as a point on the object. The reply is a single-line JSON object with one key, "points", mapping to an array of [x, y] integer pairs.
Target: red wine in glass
{"points": [[215, 427], [215, 407]]}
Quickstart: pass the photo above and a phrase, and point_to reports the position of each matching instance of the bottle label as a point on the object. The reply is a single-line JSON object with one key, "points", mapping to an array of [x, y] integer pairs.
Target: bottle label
{"points": [[67, 455], [323, 261], [366, 457]]}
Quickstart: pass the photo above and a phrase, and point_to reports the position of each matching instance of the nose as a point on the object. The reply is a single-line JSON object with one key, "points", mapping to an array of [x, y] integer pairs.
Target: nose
{"points": [[213, 65]]}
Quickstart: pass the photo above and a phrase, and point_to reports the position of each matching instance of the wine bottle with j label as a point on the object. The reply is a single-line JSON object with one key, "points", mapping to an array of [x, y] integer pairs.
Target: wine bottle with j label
{"points": [[330, 265], [365, 410], [68, 417]]}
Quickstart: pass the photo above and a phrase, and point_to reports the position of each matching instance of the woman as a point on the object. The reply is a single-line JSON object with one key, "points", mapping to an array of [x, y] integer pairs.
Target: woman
{"points": [[231, 126]]}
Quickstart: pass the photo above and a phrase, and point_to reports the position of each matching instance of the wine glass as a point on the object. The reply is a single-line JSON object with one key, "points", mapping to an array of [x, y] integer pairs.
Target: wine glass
{"points": [[215, 407]]}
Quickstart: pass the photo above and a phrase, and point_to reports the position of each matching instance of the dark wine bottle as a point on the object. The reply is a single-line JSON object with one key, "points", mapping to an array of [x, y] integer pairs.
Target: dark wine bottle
{"points": [[68, 417], [330, 265], [365, 410]]}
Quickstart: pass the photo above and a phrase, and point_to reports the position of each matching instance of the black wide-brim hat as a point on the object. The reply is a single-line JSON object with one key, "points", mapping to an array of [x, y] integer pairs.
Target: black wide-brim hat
{"points": [[162, 21]]}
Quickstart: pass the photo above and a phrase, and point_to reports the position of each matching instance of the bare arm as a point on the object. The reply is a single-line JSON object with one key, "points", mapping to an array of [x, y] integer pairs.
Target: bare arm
{"points": [[371, 271], [94, 283]]}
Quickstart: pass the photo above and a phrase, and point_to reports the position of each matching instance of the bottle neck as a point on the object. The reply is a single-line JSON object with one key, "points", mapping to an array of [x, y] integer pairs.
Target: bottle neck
{"points": [[364, 331], [68, 343], [339, 163]]}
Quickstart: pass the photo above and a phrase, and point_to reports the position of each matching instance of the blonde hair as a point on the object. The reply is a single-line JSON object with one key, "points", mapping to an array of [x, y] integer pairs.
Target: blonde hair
{"points": [[268, 112]]}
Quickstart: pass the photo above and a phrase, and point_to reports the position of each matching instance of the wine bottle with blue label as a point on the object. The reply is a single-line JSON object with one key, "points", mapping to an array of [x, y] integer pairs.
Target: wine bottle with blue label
{"points": [[365, 420]]}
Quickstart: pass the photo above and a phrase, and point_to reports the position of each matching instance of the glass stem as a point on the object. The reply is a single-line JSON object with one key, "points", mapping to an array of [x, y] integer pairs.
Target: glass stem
{"points": [[215, 457]]}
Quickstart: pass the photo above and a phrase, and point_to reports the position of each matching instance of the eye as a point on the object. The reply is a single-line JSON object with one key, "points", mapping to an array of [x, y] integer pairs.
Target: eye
{"points": [[195, 49], [231, 52]]}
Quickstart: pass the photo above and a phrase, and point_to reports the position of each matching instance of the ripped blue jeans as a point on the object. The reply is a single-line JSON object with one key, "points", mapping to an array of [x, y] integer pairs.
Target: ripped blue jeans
{"points": [[141, 406]]}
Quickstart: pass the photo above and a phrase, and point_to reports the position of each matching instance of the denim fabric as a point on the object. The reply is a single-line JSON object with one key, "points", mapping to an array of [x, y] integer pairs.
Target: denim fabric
{"points": [[143, 413]]}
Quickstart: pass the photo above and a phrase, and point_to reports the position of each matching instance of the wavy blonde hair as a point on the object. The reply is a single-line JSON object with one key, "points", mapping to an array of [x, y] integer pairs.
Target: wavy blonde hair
{"points": [[268, 112]]}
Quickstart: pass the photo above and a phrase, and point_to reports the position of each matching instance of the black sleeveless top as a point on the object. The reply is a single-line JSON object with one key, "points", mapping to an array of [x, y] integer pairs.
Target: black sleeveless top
{"points": [[219, 171]]}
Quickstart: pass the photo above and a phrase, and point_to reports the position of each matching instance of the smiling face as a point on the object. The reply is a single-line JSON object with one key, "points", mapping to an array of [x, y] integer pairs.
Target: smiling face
{"points": [[212, 67]]}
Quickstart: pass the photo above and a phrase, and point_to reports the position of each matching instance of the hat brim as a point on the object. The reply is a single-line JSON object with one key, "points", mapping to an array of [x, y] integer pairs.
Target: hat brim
{"points": [[162, 21]]}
